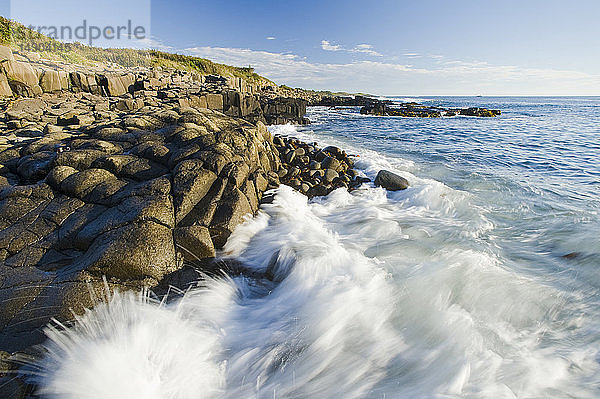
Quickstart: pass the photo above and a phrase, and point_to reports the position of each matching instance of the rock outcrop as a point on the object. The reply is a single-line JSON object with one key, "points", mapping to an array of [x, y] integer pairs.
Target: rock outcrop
{"points": [[258, 108], [91, 186], [415, 110], [126, 174], [345, 101], [482, 112]]}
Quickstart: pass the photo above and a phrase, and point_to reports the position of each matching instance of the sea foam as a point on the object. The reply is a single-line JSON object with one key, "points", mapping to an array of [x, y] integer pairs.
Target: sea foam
{"points": [[369, 294]]}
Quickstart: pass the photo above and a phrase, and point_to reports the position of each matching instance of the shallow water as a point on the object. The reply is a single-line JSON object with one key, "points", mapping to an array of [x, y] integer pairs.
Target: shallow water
{"points": [[480, 280]]}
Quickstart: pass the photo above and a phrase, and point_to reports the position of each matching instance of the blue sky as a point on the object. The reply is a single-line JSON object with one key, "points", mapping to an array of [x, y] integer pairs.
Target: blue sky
{"points": [[394, 47]]}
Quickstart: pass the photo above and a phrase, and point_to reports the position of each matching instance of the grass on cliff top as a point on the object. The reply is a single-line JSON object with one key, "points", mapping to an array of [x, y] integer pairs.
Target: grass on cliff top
{"points": [[19, 37]]}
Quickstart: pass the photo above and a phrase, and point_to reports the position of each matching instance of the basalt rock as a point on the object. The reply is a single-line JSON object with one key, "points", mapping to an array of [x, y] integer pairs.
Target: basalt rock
{"points": [[134, 88], [482, 112], [127, 195], [415, 110], [390, 181], [314, 171]]}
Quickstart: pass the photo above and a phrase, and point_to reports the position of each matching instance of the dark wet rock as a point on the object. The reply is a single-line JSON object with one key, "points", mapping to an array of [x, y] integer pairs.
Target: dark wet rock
{"points": [[316, 172], [572, 255], [333, 151], [318, 190], [330, 175], [415, 110], [481, 112], [390, 181]]}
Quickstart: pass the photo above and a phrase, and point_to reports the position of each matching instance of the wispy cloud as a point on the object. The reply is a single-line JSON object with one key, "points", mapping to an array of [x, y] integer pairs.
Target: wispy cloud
{"points": [[152, 43], [359, 48], [451, 77], [365, 48]]}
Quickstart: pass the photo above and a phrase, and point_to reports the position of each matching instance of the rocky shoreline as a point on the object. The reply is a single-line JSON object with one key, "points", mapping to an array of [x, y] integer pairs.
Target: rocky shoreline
{"points": [[135, 177], [123, 174], [119, 89], [374, 106]]}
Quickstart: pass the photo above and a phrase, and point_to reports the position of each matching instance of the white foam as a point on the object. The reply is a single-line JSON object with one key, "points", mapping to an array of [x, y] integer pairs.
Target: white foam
{"points": [[371, 294]]}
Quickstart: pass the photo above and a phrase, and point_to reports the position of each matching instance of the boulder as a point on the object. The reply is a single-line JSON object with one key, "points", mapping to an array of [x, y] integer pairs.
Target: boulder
{"points": [[133, 252], [75, 117], [6, 54], [81, 183], [85, 82], [390, 181], [112, 84], [58, 174], [331, 163], [30, 109], [330, 175]]}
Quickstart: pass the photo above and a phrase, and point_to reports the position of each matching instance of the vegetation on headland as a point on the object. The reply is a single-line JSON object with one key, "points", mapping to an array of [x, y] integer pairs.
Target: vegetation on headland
{"points": [[21, 38]]}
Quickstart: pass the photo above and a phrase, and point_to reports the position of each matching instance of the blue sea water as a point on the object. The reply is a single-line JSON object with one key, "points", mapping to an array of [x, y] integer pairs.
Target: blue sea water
{"points": [[481, 280]]}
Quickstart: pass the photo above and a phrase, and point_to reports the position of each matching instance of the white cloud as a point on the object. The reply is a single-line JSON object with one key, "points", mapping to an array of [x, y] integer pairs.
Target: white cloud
{"points": [[359, 48], [325, 45], [152, 43], [387, 78], [271, 38], [365, 48]]}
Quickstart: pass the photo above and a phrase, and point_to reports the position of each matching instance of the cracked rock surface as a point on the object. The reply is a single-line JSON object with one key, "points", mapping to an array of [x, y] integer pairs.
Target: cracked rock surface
{"points": [[88, 189]]}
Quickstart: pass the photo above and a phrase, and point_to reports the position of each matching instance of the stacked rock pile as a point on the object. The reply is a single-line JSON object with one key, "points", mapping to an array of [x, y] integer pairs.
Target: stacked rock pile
{"points": [[314, 171]]}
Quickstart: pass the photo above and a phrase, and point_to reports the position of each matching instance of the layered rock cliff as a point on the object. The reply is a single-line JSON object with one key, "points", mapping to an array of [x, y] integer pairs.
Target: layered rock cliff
{"points": [[26, 75]]}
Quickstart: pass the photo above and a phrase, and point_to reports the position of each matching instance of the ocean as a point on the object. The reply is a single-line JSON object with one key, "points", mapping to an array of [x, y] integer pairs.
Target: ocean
{"points": [[481, 280]]}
